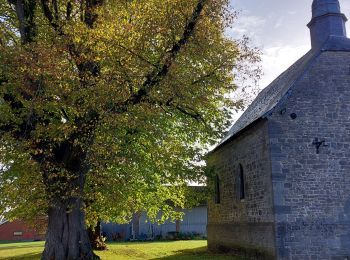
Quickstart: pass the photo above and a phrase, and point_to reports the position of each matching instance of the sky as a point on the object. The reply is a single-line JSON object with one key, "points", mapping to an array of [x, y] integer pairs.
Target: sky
{"points": [[278, 28]]}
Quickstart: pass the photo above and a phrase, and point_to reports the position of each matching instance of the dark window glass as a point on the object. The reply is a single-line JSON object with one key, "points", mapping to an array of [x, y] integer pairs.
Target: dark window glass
{"points": [[241, 183], [217, 189]]}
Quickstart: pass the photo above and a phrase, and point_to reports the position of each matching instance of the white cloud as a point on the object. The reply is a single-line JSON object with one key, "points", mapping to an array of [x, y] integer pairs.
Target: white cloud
{"points": [[345, 9], [247, 25], [279, 23], [277, 59]]}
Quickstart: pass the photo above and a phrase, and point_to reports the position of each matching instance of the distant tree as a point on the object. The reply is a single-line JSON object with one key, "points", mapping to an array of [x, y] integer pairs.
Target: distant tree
{"points": [[106, 107]]}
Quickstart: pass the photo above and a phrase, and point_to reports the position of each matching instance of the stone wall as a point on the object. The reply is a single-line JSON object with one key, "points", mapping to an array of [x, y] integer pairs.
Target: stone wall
{"points": [[312, 190], [243, 225]]}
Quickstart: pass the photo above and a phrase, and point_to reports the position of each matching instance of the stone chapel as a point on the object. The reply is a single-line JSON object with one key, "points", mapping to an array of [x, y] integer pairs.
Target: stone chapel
{"points": [[282, 173]]}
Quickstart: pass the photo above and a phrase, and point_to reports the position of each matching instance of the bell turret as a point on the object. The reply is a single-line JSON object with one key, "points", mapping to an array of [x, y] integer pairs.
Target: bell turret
{"points": [[327, 20]]}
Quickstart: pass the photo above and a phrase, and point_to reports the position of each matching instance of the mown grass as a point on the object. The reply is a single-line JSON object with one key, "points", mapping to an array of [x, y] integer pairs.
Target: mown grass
{"points": [[169, 250], [21, 250]]}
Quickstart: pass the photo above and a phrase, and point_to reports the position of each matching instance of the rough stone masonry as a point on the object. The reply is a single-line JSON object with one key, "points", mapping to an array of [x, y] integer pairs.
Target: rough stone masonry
{"points": [[290, 154]]}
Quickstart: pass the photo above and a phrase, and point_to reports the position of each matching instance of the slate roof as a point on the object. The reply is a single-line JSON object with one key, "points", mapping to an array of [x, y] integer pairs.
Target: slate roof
{"points": [[279, 89]]}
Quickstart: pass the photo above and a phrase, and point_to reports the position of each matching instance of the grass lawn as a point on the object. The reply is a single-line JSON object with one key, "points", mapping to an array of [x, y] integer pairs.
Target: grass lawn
{"points": [[171, 250]]}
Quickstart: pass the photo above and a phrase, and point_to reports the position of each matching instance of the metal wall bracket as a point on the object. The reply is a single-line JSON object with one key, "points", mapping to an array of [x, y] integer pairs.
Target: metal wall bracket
{"points": [[318, 144]]}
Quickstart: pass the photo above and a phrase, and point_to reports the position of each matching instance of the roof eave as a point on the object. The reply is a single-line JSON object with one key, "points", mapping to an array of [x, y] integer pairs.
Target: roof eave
{"points": [[230, 138]]}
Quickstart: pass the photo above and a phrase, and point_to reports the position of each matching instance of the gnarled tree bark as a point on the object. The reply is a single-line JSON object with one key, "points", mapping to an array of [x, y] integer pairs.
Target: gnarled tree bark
{"points": [[96, 239], [66, 236]]}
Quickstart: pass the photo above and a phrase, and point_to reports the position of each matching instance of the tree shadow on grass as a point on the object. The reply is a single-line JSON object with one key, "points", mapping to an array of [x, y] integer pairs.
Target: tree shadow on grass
{"points": [[201, 253], [12, 246], [28, 256]]}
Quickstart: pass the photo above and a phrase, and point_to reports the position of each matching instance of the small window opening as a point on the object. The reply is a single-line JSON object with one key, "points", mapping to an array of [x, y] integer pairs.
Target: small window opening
{"points": [[217, 189], [241, 183]]}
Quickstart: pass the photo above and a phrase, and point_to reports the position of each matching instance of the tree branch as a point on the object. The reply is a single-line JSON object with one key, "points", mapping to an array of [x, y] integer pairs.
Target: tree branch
{"points": [[50, 16], [90, 15], [55, 8], [25, 11], [69, 10], [137, 55], [162, 69], [193, 114]]}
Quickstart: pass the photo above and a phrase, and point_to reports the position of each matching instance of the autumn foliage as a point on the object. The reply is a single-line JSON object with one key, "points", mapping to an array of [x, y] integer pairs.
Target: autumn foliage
{"points": [[107, 107]]}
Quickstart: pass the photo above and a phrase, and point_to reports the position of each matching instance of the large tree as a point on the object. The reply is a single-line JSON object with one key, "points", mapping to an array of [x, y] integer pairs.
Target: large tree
{"points": [[106, 107]]}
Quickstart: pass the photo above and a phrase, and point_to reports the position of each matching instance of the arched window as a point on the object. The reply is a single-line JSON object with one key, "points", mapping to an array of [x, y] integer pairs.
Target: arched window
{"points": [[241, 183], [217, 189]]}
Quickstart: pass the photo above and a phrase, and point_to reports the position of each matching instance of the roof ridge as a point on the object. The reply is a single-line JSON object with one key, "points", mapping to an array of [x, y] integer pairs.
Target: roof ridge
{"points": [[270, 96], [280, 88]]}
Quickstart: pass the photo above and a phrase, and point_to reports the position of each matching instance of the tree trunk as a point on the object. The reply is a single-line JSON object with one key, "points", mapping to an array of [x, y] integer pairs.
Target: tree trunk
{"points": [[96, 239], [66, 236]]}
